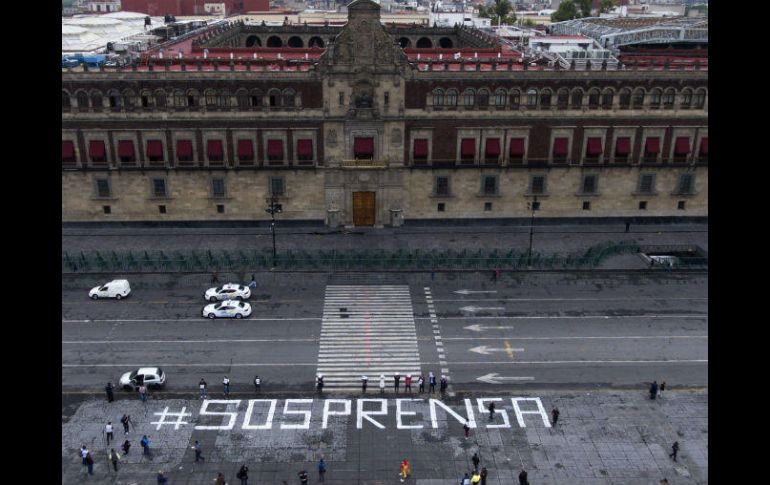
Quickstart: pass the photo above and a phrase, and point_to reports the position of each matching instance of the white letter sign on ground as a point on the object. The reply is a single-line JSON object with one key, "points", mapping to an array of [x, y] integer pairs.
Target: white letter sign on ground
{"points": [[286, 410], [346, 412], [270, 413], [520, 413], [400, 413], [365, 414], [205, 412], [468, 410], [483, 409]]}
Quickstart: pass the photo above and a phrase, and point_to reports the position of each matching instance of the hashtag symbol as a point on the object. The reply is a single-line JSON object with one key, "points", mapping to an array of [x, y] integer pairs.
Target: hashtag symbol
{"points": [[179, 417]]}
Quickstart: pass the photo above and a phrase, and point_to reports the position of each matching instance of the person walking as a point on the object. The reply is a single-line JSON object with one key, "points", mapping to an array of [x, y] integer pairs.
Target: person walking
{"points": [[465, 480], [321, 470], [320, 383], [421, 384], [253, 282], [467, 429], [162, 480], [226, 385], [382, 383], [108, 431], [198, 452], [491, 411], [431, 383], [554, 416], [257, 384], [674, 450], [523, 478], [90, 463], [475, 459], [476, 478], [303, 477], [202, 388], [220, 480], [654, 389], [483, 476], [408, 383], [143, 393], [404, 470], [145, 445], [243, 475], [83, 454], [396, 381], [109, 389], [444, 384], [124, 421], [364, 381], [214, 278], [661, 389], [114, 457], [126, 446]]}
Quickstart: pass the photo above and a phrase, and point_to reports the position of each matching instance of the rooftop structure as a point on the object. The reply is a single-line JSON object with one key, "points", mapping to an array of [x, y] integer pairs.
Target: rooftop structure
{"points": [[614, 32]]}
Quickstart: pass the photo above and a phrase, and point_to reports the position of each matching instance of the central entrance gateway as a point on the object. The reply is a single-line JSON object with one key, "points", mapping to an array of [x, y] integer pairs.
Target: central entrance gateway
{"points": [[363, 208]]}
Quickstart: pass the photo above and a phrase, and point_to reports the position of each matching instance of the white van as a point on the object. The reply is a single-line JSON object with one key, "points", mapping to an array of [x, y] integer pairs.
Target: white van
{"points": [[114, 289]]}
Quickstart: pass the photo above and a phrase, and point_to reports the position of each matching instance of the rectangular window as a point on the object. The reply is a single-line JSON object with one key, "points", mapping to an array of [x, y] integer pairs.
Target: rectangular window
{"points": [[97, 152], [647, 183], [275, 150], [67, 153], [492, 150], [490, 185], [386, 100], [103, 188], [686, 183], [468, 149], [162, 209], [220, 208], [245, 151], [184, 150], [516, 150], [534, 205], [622, 148], [441, 207], [277, 186], [560, 146], [217, 187], [537, 184], [126, 152], [305, 150], [589, 184], [651, 149], [593, 149], [159, 188], [107, 209], [586, 205], [215, 151], [420, 150], [442, 186], [342, 99], [155, 150], [642, 205], [363, 148], [681, 205], [487, 206], [681, 149]]}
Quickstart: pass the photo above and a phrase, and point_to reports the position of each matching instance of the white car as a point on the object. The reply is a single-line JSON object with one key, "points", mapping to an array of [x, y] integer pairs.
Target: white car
{"points": [[114, 289], [230, 291], [152, 377], [227, 309]]}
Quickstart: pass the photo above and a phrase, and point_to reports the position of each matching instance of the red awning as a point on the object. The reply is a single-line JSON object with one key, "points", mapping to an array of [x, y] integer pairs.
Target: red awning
{"points": [[184, 149], [214, 148], [245, 150], [126, 148], [560, 147], [704, 146], [363, 146], [623, 146], [67, 150], [421, 147], [154, 148], [517, 147], [275, 148], [468, 148], [305, 148], [594, 147], [682, 146], [96, 149], [493, 147], [652, 145]]}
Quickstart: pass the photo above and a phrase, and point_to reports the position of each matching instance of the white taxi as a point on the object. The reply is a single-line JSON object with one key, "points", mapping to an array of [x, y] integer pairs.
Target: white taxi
{"points": [[152, 377], [230, 291], [227, 309]]}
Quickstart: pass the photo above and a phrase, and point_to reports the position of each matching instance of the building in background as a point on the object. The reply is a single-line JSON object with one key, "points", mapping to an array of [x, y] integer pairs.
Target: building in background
{"points": [[194, 7]]}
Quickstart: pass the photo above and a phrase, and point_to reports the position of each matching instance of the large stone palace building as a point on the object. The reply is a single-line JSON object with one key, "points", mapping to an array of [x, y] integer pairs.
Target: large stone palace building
{"points": [[372, 124]]}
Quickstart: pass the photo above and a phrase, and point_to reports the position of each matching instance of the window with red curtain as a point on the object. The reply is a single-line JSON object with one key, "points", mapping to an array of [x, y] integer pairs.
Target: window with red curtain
{"points": [[594, 147], [67, 152], [363, 148], [215, 151], [420, 151], [184, 150], [682, 146], [492, 149], [516, 149], [651, 149], [704, 149], [245, 151], [97, 151], [623, 146], [155, 150], [275, 150], [305, 149], [126, 152], [560, 149], [468, 149]]}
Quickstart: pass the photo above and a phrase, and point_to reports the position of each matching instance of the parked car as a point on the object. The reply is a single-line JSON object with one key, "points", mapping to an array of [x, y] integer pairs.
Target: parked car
{"points": [[114, 289], [230, 291], [227, 309], [152, 377]]}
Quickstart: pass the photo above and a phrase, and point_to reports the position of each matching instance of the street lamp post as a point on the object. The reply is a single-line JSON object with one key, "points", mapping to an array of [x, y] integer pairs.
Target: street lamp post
{"points": [[533, 206], [273, 210]]}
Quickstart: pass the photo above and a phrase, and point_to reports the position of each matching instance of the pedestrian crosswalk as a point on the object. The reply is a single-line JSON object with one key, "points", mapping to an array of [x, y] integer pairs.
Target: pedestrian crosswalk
{"points": [[367, 330]]}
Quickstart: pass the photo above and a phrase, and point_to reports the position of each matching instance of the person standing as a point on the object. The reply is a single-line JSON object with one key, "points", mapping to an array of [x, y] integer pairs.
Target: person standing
{"points": [[321, 470], [124, 421], [257, 384], [114, 457], [554, 416], [253, 282], [145, 445], [661, 389], [162, 480], [466, 480], [653, 389], [467, 429], [408, 383], [396, 381], [109, 389], [243, 475], [475, 459], [198, 452], [108, 431], [491, 411], [303, 477], [226, 385], [214, 278], [83, 454], [483, 476], [523, 478], [220, 480], [90, 463], [382, 383], [674, 450], [320, 383], [431, 383], [126, 446], [444, 384], [476, 478], [421, 384], [202, 388], [143, 393], [364, 381], [404, 470]]}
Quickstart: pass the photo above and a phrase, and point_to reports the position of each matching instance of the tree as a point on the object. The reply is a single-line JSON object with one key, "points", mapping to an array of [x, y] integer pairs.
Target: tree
{"points": [[501, 12], [607, 5], [566, 11], [584, 6]]}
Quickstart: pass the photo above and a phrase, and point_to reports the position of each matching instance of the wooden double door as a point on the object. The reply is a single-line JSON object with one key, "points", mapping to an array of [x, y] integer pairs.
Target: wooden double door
{"points": [[363, 208]]}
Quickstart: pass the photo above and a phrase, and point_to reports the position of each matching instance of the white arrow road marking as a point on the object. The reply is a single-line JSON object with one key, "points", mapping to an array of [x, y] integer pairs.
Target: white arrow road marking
{"points": [[478, 328], [495, 379], [468, 292], [478, 308], [483, 349]]}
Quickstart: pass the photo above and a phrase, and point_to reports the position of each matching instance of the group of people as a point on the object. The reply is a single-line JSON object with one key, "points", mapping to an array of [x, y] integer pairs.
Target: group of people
{"points": [[657, 390], [113, 457], [443, 383], [203, 386]]}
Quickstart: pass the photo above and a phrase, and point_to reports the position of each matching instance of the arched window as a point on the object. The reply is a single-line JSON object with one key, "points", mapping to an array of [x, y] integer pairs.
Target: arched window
{"points": [[451, 97], [686, 98], [469, 98], [289, 98], [655, 96], [445, 43], [577, 98], [625, 98], [483, 99], [438, 97], [211, 98], [242, 98], [531, 98], [515, 98], [699, 100], [295, 42], [424, 43], [96, 100], [545, 99], [608, 97], [404, 42], [223, 99], [500, 98], [562, 98], [316, 42], [274, 41], [593, 98], [145, 98], [66, 103], [274, 98], [114, 97], [180, 100], [668, 98], [255, 98], [193, 98], [638, 99], [253, 41], [82, 98], [129, 99], [160, 98]]}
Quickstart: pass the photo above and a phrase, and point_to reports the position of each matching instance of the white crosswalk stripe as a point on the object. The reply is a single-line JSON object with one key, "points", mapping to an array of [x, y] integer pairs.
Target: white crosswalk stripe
{"points": [[367, 330]]}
